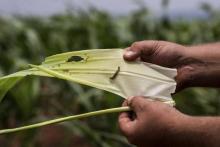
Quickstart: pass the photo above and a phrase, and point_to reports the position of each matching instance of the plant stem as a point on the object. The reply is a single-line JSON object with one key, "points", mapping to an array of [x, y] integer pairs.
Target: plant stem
{"points": [[54, 121]]}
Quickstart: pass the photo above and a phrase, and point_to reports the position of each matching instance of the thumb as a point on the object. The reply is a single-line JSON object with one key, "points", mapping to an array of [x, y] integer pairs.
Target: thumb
{"points": [[140, 49]]}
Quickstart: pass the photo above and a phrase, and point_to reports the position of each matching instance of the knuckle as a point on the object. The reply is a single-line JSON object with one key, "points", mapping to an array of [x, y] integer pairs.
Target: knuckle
{"points": [[133, 102], [122, 119], [185, 77], [125, 103], [156, 44], [138, 104], [136, 99]]}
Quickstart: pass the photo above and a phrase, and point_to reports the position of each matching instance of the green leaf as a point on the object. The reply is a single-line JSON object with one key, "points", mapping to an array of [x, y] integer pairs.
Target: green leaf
{"points": [[104, 69], [7, 83], [59, 120]]}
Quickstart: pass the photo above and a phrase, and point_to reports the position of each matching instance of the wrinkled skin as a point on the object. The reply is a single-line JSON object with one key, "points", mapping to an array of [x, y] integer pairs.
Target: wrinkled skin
{"points": [[149, 127], [196, 66], [155, 124]]}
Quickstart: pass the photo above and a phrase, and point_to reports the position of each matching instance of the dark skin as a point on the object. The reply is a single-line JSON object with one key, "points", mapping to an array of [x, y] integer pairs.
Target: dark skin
{"points": [[157, 124]]}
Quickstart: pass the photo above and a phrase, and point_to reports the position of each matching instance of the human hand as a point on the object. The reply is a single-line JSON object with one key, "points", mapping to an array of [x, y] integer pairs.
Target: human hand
{"points": [[194, 64], [152, 122]]}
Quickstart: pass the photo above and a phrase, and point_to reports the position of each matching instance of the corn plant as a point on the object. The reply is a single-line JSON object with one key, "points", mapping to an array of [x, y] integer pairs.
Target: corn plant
{"points": [[100, 68]]}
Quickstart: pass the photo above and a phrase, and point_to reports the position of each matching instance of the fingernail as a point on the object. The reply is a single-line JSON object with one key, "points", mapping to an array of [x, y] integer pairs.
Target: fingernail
{"points": [[129, 53]]}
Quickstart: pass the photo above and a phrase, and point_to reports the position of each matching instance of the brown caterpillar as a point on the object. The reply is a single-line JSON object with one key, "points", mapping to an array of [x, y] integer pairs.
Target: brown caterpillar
{"points": [[115, 74]]}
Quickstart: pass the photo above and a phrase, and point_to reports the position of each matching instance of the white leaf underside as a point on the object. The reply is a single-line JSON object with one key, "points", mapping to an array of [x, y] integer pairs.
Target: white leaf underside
{"points": [[97, 68]]}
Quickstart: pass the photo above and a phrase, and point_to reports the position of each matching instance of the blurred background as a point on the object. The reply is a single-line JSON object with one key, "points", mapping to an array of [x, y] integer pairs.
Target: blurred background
{"points": [[31, 30]]}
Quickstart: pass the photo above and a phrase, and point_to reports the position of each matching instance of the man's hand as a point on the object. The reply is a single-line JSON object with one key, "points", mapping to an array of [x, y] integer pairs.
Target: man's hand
{"points": [[196, 66], [151, 123], [155, 124]]}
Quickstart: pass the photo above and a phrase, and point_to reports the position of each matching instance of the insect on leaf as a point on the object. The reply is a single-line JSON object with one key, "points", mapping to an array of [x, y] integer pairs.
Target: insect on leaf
{"points": [[115, 74], [104, 69], [101, 68]]}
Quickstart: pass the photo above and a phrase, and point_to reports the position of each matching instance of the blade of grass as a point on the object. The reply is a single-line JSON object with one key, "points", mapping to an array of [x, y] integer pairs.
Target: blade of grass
{"points": [[68, 118], [73, 117]]}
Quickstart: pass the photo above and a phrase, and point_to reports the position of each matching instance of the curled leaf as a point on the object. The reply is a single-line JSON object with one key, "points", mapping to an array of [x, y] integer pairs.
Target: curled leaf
{"points": [[104, 69]]}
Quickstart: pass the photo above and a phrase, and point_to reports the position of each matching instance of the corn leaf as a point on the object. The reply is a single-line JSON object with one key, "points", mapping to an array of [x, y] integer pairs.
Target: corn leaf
{"points": [[104, 69]]}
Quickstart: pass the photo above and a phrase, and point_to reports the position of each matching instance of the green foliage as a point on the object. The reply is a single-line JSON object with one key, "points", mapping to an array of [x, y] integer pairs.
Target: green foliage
{"points": [[30, 39]]}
